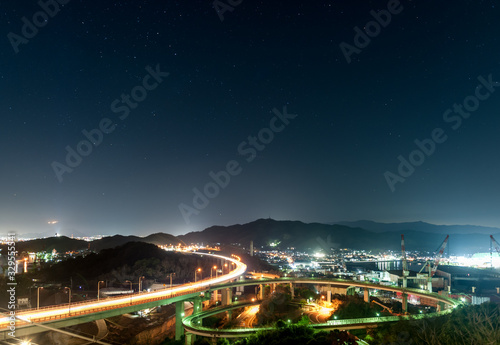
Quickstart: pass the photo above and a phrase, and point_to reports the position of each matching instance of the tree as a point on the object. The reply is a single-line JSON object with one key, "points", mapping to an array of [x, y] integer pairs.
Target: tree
{"points": [[298, 334], [471, 325]]}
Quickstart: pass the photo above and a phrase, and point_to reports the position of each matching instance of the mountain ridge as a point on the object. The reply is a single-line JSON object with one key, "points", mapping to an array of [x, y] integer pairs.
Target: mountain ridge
{"points": [[269, 233], [64, 244], [419, 226]]}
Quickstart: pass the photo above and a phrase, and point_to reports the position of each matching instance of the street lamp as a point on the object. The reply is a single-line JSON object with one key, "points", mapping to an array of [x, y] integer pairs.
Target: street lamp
{"points": [[213, 268], [99, 284], [140, 283], [128, 281], [171, 283], [38, 297], [198, 270], [225, 265], [69, 301]]}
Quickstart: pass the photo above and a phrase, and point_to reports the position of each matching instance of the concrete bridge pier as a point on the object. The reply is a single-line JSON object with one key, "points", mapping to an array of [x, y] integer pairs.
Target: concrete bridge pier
{"points": [[261, 292], [197, 307], [226, 296], [367, 295], [440, 306], [179, 314], [189, 339], [329, 296], [350, 291], [405, 302], [227, 299], [291, 291]]}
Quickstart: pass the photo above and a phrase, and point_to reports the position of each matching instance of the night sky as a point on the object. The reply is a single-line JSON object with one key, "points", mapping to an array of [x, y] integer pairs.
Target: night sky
{"points": [[168, 93]]}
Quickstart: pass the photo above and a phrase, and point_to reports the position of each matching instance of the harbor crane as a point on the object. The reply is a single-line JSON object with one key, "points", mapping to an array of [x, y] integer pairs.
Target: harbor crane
{"points": [[433, 268], [497, 247]]}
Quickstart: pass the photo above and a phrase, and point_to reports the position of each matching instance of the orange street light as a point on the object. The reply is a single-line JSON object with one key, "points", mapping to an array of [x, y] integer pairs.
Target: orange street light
{"points": [[69, 301], [98, 285], [38, 297], [140, 283]]}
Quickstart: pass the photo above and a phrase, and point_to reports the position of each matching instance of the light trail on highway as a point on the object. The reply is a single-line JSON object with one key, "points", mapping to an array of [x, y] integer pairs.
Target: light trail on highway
{"points": [[80, 308]]}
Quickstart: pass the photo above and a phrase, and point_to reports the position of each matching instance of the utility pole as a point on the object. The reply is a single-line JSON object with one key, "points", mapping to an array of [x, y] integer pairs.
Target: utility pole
{"points": [[171, 274], [405, 267]]}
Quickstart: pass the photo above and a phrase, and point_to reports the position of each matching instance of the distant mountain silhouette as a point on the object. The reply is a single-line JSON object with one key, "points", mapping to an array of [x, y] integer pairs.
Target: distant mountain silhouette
{"points": [[288, 234], [316, 236], [118, 240], [421, 226], [64, 244], [61, 244], [365, 235]]}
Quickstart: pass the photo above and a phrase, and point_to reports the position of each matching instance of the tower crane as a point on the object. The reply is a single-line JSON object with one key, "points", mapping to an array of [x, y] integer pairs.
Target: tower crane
{"points": [[497, 247], [433, 268], [495, 243]]}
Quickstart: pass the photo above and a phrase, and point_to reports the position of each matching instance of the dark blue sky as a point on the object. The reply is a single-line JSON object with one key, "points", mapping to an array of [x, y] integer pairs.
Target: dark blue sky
{"points": [[329, 162]]}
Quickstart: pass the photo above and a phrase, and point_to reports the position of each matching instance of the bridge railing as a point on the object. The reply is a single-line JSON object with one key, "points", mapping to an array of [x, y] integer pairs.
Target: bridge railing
{"points": [[74, 313], [79, 303]]}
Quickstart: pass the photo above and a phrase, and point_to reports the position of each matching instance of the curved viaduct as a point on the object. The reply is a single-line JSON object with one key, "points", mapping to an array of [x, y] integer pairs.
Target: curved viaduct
{"points": [[192, 323], [22, 323], [31, 321], [337, 282]]}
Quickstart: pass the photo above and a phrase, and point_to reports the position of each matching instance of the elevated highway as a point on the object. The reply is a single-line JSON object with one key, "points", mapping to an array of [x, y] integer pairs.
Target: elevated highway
{"points": [[192, 324], [25, 322], [31, 321]]}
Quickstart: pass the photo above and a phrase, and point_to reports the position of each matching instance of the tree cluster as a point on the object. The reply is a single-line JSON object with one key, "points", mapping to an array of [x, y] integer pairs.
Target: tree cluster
{"points": [[127, 262], [471, 325]]}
